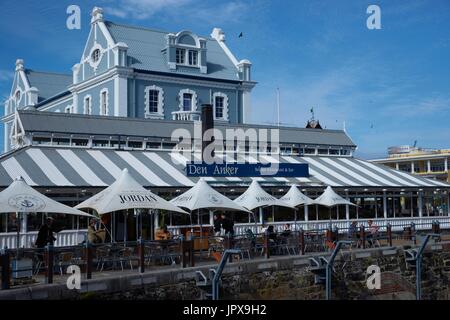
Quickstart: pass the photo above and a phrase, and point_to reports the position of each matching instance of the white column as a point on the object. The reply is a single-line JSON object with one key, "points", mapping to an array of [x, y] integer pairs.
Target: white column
{"points": [[412, 167], [446, 164], [317, 212], [261, 217], [384, 205], [428, 166], [156, 221], [396, 166], [420, 203], [337, 212], [347, 207], [211, 217], [412, 210], [120, 96], [306, 213]]}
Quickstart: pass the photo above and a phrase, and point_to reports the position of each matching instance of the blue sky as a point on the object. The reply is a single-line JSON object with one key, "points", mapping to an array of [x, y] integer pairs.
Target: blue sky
{"points": [[390, 86]]}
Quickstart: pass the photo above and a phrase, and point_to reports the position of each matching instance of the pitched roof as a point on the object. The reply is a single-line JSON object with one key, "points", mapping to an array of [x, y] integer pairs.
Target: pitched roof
{"points": [[39, 121], [49, 84], [145, 52]]}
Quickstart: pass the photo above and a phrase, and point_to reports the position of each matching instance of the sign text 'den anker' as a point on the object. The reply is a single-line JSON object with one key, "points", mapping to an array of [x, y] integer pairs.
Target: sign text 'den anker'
{"points": [[298, 170]]}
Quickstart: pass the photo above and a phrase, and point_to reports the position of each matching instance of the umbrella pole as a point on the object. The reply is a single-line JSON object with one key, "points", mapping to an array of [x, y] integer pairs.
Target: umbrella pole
{"points": [[137, 223], [18, 233], [295, 219]]}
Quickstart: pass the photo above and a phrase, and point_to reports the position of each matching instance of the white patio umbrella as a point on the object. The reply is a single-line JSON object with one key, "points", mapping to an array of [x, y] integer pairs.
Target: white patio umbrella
{"points": [[330, 199], [19, 197], [255, 197], [296, 198], [203, 196], [126, 193]]}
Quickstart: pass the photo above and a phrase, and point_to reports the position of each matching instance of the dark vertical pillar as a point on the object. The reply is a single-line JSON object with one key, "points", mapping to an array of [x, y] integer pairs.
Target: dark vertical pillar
{"points": [[141, 255], [49, 262], [302, 241], [5, 269], [389, 234], [207, 123], [88, 260]]}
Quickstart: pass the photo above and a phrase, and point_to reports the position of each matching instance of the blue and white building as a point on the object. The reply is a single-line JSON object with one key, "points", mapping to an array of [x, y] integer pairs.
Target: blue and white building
{"points": [[70, 135]]}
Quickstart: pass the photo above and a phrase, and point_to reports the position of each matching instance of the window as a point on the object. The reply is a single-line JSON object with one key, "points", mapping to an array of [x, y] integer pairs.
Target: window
{"points": [[18, 95], [322, 151], [100, 143], [135, 144], [61, 141], [310, 151], [219, 107], [104, 102], [42, 140], [87, 105], [153, 100], [95, 56], [193, 55], [68, 109], [153, 145], [187, 101], [80, 142], [180, 55]]}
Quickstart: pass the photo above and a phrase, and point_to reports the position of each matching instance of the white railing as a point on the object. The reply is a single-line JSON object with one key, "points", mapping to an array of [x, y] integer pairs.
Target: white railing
{"points": [[63, 238], [397, 224], [186, 115]]}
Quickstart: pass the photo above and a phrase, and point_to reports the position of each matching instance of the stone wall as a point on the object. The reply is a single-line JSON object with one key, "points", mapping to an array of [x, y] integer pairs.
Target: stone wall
{"points": [[287, 277]]}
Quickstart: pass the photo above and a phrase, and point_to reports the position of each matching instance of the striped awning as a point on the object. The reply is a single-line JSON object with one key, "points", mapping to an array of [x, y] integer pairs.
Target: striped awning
{"points": [[80, 167]]}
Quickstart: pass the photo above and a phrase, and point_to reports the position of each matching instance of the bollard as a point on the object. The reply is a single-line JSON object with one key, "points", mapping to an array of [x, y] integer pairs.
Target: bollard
{"points": [[141, 256], [5, 269], [88, 260], [187, 253], [363, 237], [389, 234], [266, 245], [302, 241], [49, 262]]}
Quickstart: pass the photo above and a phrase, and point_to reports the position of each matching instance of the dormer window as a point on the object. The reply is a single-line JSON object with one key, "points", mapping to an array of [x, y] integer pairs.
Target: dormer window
{"points": [[181, 53], [18, 95], [193, 58], [186, 49]]}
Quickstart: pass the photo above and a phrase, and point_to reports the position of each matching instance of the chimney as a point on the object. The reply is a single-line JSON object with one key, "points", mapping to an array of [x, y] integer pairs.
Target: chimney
{"points": [[207, 123]]}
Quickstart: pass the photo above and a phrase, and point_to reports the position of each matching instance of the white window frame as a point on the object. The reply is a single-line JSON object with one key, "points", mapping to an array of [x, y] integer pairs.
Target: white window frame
{"points": [[104, 90], [225, 106], [188, 58], [87, 97], [92, 63], [182, 55], [194, 99], [160, 113]]}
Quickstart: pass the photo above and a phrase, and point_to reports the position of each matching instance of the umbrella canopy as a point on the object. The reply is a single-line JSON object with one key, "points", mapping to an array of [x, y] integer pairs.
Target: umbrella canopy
{"points": [[20, 197], [255, 197], [203, 196], [294, 197], [329, 198], [126, 193]]}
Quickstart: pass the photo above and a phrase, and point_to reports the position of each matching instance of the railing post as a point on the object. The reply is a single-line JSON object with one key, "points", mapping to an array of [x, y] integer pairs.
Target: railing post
{"points": [[49, 262], [389, 234], [228, 246], [363, 237], [413, 232], [336, 233], [183, 252], [141, 256], [5, 269], [88, 260], [266, 245], [302, 241]]}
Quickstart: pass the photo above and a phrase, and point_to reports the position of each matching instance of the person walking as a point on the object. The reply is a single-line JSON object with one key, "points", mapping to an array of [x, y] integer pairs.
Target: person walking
{"points": [[217, 225], [45, 235]]}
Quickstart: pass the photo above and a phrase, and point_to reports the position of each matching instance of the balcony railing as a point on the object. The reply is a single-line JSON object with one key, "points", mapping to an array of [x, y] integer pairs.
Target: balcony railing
{"points": [[186, 115]]}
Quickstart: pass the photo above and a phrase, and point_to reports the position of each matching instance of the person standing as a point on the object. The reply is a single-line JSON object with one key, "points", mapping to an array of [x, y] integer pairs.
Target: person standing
{"points": [[217, 225], [45, 235], [228, 225]]}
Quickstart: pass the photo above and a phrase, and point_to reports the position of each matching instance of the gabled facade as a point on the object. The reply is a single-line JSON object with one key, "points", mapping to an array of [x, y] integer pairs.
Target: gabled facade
{"points": [[136, 72]]}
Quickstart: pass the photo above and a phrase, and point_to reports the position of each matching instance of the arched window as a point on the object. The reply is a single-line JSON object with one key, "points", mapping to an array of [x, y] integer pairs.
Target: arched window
{"points": [[154, 102], [220, 104]]}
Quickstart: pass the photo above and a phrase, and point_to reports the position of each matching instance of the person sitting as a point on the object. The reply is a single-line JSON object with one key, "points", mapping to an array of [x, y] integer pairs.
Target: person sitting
{"points": [[163, 234], [273, 239], [228, 225], [249, 235], [286, 230], [95, 234]]}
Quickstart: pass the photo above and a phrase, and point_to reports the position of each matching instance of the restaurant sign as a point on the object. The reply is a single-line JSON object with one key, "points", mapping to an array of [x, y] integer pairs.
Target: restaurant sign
{"points": [[297, 170]]}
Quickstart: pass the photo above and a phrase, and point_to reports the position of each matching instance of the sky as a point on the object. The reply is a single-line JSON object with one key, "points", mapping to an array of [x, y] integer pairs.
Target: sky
{"points": [[389, 86]]}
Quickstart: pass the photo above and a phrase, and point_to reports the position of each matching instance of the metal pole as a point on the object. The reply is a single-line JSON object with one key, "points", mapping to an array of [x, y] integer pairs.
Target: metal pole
{"points": [[329, 267]]}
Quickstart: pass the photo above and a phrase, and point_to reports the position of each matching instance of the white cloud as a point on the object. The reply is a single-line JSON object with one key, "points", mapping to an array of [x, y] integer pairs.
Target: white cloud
{"points": [[185, 10], [6, 75]]}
